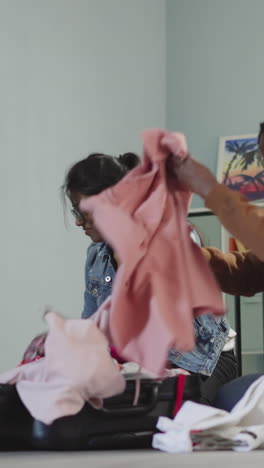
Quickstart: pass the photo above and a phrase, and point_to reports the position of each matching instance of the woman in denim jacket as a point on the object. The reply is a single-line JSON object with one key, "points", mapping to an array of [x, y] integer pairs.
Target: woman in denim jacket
{"points": [[212, 357]]}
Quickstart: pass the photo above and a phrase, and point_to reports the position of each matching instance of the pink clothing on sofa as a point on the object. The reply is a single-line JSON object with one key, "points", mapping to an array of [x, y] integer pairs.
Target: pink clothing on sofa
{"points": [[163, 281], [77, 367]]}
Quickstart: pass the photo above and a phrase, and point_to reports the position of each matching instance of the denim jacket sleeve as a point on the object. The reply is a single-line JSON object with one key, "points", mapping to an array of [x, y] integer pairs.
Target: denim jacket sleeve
{"points": [[99, 277]]}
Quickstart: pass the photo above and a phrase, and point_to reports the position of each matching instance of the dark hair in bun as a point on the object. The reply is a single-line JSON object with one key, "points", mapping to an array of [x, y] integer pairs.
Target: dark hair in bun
{"points": [[97, 172], [129, 160]]}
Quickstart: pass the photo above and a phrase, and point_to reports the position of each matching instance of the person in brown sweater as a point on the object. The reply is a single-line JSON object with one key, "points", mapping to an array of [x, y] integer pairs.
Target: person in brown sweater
{"points": [[238, 273]]}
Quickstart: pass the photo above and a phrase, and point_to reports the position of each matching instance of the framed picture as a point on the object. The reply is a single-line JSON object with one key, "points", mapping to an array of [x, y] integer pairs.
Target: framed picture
{"points": [[241, 165]]}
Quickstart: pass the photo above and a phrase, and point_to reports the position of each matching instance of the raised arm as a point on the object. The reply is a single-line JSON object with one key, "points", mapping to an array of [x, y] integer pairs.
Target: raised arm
{"points": [[243, 220]]}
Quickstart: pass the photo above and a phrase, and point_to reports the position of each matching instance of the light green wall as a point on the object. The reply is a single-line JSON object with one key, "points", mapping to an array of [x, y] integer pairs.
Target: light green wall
{"points": [[215, 71], [76, 76]]}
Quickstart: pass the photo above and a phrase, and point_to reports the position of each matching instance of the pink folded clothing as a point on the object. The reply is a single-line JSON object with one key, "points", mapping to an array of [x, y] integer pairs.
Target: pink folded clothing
{"points": [[163, 280], [77, 367]]}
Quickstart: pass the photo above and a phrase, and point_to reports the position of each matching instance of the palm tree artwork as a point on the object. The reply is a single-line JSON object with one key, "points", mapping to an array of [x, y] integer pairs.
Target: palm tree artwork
{"points": [[243, 167]]}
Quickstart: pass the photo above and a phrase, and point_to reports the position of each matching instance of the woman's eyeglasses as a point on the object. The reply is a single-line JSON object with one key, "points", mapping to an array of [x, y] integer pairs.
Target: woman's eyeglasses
{"points": [[77, 214]]}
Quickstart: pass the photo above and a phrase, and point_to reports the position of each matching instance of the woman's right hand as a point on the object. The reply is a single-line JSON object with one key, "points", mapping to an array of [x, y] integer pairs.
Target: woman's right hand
{"points": [[35, 348]]}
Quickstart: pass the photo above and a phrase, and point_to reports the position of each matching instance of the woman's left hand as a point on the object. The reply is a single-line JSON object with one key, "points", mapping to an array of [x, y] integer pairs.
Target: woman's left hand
{"points": [[192, 175]]}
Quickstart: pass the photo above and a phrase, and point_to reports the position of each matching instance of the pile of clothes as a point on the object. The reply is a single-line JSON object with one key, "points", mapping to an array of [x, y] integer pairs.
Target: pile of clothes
{"points": [[199, 427]]}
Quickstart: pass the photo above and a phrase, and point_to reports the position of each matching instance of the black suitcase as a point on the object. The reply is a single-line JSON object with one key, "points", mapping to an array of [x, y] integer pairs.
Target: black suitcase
{"points": [[118, 425]]}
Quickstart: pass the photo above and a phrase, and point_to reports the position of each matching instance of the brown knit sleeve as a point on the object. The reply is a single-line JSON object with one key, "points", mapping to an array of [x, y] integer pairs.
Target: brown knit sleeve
{"points": [[238, 273]]}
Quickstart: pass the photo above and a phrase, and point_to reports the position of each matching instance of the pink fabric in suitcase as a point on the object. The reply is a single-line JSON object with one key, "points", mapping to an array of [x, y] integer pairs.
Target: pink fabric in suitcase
{"points": [[77, 367]]}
